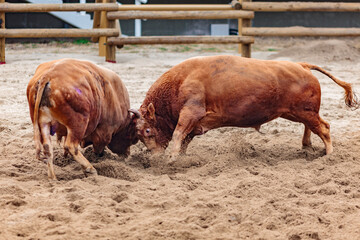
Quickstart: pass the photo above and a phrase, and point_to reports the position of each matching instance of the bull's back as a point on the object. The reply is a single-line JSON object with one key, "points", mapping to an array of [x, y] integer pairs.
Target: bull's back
{"points": [[232, 77]]}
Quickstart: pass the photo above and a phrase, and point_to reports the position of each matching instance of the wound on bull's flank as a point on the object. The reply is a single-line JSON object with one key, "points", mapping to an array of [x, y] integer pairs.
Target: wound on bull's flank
{"points": [[78, 90]]}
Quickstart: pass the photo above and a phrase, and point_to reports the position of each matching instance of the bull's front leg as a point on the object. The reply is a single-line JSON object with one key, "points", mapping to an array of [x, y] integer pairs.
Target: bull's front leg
{"points": [[188, 119]]}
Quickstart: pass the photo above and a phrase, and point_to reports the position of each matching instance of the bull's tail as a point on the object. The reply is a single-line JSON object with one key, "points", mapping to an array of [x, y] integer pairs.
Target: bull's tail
{"points": [[37, 131], [351, 100]]}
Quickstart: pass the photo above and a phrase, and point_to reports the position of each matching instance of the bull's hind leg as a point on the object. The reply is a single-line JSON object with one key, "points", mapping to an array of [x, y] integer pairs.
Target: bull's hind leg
{"points": [[48, 149], [318, 126], [71, 145], [324, 134], [306, 141]]}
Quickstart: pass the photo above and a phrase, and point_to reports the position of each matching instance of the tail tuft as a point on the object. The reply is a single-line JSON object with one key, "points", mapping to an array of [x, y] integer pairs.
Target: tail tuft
{"points": [[352, 100]]}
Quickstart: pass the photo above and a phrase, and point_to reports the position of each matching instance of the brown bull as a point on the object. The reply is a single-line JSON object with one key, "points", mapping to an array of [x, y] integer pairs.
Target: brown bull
{"points": [[82, 102], [204, 93]]}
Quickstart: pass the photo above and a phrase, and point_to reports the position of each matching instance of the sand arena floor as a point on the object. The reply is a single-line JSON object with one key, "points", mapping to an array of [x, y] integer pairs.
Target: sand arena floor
{"points": [[233, 183]]}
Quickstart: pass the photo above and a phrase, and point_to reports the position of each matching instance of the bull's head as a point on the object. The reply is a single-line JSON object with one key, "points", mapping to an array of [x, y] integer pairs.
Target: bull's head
{"points": [[121, 141], [149, 130]]}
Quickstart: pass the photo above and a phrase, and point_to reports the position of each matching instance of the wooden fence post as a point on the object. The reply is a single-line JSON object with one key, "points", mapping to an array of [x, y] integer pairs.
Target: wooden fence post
{"points": [[104, 23], [118, 27], [2, 40], [96, 21], [244, 49], [110, 50], [110, 53]]}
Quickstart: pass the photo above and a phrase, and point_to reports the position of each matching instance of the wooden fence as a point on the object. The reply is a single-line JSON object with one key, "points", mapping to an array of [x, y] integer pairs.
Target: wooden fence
{"points": [[106, 12], [304, 7], [49, 33], [106, 29], [237, 10], [188, 14]]}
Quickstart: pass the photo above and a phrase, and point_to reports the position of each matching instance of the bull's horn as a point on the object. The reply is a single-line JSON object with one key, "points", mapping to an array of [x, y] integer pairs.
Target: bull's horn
{"points": [[135, 112]]}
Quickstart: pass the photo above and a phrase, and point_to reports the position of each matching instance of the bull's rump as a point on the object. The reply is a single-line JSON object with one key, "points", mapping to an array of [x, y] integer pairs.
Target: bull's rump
{"points": [[248, 92], [79, 90]]}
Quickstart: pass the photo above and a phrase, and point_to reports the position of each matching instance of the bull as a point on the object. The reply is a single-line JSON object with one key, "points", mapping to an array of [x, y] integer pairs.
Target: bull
{"points": [[83, 103], [205, 93]]}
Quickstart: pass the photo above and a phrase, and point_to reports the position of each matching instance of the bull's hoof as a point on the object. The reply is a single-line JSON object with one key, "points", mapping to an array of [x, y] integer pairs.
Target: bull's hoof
{"points": [[90, 171], [66, 153], [308, 148], [52, 178], [43, 159], [329, 150], [101, 154], [173, 158]]}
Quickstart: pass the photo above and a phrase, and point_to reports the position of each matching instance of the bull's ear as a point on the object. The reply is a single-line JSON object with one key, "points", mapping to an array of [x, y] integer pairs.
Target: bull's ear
{"points": [[151, 110]]}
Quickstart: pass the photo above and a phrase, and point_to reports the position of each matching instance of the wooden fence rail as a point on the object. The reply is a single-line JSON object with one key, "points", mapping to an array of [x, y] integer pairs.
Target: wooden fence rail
{"points": [[301, 6], [179, 40], [59, 32], [175, 7], [69, 7], [301, 32], [129, 15]]}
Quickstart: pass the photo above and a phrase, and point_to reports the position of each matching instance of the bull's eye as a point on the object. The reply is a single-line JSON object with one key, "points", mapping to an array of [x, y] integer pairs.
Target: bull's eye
{"points": [[147, 130]]}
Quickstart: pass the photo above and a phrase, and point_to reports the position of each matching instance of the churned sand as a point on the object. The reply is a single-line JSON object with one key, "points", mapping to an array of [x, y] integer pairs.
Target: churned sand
{"points": [[233, 184]]}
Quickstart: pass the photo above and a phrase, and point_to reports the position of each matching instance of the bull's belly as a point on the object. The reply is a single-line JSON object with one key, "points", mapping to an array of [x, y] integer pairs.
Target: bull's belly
{"points": [[250, 121], [253, 117]]}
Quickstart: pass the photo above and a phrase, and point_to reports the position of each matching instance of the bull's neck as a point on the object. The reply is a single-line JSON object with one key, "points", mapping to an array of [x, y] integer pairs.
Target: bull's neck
{"points": [[164, 113]]}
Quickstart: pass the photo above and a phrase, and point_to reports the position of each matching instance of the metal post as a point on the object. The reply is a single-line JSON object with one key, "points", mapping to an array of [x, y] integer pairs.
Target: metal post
{"points": [[82, 12], [138, 21]]}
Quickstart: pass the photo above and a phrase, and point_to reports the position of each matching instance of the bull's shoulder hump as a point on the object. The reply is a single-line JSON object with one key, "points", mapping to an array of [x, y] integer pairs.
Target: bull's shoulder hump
{"points": [[212, 58]]}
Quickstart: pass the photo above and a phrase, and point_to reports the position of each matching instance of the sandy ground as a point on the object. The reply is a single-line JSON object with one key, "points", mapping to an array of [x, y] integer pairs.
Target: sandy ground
{"points": [[233, 184]]}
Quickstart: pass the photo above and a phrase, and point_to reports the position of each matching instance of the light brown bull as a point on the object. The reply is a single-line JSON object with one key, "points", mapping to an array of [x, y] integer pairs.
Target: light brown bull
{"points": [[204, 93], [84, 103]]}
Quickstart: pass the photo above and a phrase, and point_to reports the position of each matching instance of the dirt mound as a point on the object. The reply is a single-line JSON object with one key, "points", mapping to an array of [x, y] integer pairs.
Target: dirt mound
{"points": [[115, 169], [321, 50]]}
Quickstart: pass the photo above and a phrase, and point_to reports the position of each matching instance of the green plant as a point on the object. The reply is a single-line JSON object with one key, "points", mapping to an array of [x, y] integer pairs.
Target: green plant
{"points": [[81, 41], [182, 48], [210, 49]]}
